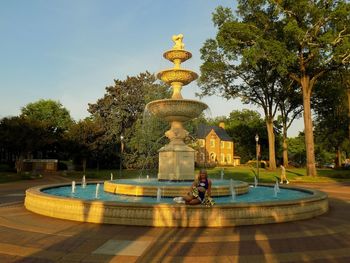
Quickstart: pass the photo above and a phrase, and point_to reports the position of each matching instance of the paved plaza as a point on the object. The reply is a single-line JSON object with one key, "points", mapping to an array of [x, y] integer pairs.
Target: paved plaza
{"points": [[27, 237]]}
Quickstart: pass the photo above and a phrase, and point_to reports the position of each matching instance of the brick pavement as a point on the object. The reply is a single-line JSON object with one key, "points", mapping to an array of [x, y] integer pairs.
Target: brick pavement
{"points": [[27, 237]]}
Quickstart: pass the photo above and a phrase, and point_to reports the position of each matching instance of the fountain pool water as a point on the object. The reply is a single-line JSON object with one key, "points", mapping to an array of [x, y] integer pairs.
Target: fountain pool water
{"points": [[259, 206], [258, 194], [149, 202]]}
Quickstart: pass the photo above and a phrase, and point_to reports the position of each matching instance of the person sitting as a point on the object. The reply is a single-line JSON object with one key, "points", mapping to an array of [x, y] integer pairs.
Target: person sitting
{"points": [[200, 189]]}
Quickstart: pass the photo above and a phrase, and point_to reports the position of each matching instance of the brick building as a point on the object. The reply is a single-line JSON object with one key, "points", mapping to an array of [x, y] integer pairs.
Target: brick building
{"points": [[215, 146]]}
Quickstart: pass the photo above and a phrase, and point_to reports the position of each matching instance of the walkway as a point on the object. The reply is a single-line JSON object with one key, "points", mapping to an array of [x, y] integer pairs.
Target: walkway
{"points": [[27, 237]]}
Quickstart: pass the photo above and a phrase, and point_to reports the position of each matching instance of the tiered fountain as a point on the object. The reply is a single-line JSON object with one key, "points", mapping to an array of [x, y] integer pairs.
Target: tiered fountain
{"points": [[149, 202], [176, 159]]}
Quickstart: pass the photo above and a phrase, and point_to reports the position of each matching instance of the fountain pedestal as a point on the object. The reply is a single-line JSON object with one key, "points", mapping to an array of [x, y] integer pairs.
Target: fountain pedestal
{"points": [[176, 163], [176, 159]]}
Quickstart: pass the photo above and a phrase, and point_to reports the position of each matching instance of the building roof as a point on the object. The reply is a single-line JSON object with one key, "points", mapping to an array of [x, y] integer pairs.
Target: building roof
{"points": [[203, 131]]}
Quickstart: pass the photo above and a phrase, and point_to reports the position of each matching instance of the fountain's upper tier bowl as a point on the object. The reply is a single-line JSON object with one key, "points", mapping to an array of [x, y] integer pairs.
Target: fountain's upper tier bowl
{"points": [[183, 76], [179, 54], [176, 110]]}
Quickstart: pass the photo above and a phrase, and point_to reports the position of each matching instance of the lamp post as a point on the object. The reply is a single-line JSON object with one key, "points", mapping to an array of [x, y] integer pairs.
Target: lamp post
{"points": [[257, 155], [121, 154]]}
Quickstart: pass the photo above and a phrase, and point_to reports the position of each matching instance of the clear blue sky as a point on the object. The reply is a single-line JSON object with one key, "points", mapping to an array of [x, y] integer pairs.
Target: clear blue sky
{"points": [[70, 50]]}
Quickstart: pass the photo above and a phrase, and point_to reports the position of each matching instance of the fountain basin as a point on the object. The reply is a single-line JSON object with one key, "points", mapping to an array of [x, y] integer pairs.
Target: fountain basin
{"points": [[176, 110], [175, 215], [149, 187], [183, 76]]}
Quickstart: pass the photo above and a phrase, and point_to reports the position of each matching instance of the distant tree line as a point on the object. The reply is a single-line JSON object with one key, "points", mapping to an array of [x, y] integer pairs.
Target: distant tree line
{"points": [[45, 129]]}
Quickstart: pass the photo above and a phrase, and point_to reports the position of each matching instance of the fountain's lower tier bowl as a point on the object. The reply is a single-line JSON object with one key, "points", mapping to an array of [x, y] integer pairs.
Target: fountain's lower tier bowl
{"points": [[150, 188], [175, 215]]}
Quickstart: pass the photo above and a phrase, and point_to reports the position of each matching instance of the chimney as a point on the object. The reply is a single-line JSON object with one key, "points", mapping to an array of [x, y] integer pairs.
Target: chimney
{"points": [[222, 125]]}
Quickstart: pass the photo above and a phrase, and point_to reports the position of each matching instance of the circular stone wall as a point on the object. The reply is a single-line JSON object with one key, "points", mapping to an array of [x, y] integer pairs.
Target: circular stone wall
{"points": [[125, 188], [174, 215]]}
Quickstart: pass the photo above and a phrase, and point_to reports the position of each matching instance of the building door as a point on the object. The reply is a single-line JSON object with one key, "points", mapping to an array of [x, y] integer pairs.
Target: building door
{"points": [[212, 157]]}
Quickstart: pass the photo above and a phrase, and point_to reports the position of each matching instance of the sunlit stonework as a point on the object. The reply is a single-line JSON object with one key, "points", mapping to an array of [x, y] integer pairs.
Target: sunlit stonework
{"points": [[176, 159]]}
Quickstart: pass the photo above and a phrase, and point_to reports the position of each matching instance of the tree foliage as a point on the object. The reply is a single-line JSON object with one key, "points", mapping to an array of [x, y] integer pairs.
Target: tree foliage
{"points": [[243, 61], [316, 35], [120, 112], [301, 39], [49, 112], [84, 144], [25, 138], [242, 126], [331, 108]]}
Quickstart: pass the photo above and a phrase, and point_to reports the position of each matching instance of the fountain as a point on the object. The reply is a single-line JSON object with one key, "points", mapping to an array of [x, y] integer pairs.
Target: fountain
{"points": [[150, 202], [276, 189], [83, 182], [73, 187], [159, 195], [97, 190], [232, 190], [176, 159]]}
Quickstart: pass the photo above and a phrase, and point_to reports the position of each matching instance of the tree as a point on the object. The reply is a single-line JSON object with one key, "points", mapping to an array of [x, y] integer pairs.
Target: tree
{"points": [[242, 126], [120, 112], [290, 103], [49, 112], [84, 137], [331, 108], [22, 138], [316, 36], [237, 63], [296, 150], [302, 39], [54, 119]]}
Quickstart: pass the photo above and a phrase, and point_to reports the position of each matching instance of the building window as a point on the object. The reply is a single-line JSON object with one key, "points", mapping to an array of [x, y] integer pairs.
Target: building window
{"points": [[201, 143], [212, 142], [212, 157], [228, 157], [202, 157], [222, 145], [222, 158], [228, 145]]}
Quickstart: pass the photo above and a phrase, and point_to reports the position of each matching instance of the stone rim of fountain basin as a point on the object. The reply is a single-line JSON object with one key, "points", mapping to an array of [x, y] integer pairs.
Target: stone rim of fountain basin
{"points": [[118, 187], [175, 215], [176, 109], [184, 76]]}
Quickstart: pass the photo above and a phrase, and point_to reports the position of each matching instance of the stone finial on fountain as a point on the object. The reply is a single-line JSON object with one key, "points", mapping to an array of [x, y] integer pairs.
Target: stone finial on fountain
{"points": [[178, 41]]}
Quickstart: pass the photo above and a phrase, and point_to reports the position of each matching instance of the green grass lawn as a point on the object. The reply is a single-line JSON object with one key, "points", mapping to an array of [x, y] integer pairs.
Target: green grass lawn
{"points": [[246, 173], [7, 177], [243, 173]]}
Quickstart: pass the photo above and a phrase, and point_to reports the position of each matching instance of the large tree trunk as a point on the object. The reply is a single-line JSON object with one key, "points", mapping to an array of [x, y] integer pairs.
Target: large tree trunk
{"points": [[309, 135], [338, 158], [285, 146], [348, 93], [271, 137]]}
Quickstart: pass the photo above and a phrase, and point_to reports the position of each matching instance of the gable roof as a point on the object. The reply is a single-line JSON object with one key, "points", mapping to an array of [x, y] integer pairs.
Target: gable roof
{"points": [[204, 130]]}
